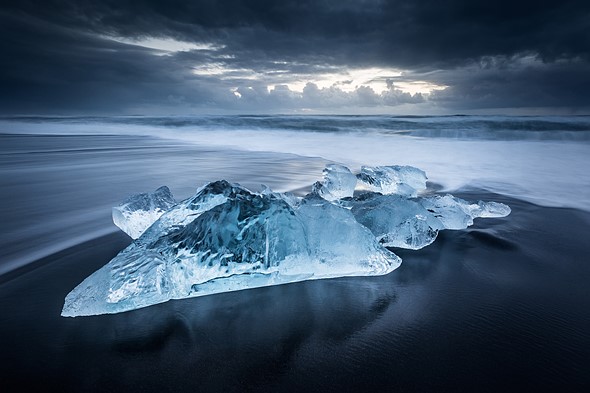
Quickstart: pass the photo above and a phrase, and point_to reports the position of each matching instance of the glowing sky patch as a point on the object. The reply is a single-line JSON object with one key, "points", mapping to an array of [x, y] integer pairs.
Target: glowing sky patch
{"points": [[166, 45], [418, 87], [378, 79], [224, 72]]}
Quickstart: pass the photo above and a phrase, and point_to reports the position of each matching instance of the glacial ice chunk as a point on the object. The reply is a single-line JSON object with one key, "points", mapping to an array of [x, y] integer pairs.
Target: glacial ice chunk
{"points": [[395, 220], [339, 182], [414, 223], [140, 211], [227, 238], [249, 240], [394, 179]]}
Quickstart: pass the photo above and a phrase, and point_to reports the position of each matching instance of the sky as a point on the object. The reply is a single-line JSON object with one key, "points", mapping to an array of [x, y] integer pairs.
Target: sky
{"points": [[118, 57]]}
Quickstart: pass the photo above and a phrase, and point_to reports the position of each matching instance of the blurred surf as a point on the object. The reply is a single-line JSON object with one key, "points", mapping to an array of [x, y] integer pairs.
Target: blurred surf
{"points": [[61, 175]]}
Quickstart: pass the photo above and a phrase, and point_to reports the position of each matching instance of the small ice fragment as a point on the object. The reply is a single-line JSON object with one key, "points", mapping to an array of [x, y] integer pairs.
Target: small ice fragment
{"points": [[456, 213], [139, 211], [491, 210], [339, 182], [394, 179]]}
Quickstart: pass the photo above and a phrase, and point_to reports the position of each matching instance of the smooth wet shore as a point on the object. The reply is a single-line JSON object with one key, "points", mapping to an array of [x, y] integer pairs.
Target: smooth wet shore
{"points": [[501, 306], [58, 190]]}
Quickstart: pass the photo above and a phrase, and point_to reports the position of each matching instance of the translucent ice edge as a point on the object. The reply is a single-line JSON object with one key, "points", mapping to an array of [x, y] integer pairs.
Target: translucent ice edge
{"points": [[228, 238]]}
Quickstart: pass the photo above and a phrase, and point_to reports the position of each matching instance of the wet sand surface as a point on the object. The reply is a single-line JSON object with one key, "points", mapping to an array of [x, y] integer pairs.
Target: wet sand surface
{"points": [[501, 306]]}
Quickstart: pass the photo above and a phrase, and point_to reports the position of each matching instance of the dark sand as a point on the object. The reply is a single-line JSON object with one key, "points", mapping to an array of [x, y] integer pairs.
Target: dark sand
{"points": [[502, 306]]}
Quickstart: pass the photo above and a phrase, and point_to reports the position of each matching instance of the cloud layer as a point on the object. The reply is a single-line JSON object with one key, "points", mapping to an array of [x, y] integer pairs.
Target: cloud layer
{"points": [[282, 56]]}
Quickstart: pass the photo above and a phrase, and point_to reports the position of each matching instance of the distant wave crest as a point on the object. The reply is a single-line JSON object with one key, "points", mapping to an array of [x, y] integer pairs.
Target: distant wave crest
{"points": [[543, 128]]}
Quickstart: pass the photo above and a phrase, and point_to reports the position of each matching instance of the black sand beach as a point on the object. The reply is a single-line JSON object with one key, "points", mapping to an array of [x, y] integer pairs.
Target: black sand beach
{"points": [[501, 306]]}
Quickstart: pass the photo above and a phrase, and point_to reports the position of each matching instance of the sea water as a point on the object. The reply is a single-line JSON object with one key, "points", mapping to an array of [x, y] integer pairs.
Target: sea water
{"points": [[60, 176]]}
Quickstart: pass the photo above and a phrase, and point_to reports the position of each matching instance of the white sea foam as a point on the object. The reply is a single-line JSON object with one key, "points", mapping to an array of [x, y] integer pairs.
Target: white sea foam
{"points": [[544, 160]]}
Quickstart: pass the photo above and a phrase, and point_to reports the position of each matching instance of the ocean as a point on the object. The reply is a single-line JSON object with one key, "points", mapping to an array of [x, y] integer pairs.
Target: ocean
{"points": [[502, 305]]}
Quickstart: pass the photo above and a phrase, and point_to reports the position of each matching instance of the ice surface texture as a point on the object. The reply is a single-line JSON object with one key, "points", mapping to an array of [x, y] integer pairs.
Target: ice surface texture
{"points": [[138, 212], [227, 238], [339, 182], [395, 179], [414, 223]]}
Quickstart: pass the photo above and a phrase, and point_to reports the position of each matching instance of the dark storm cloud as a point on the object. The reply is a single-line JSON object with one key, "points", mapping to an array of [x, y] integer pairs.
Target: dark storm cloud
{"points": [[45, 67], [519, 84], [57, 55]]}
